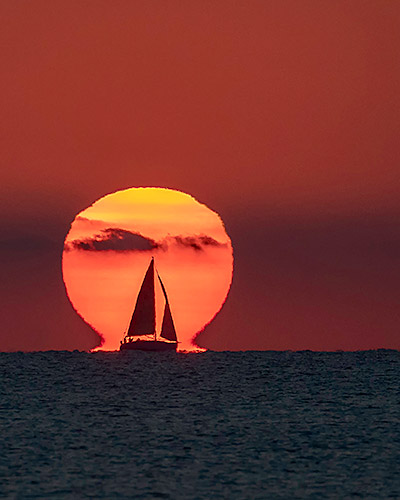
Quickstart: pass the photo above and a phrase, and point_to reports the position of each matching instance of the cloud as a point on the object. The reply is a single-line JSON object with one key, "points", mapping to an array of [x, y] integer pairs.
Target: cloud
{"points": [[121, 240], [14, 242], [197, 242], [114, 239]]}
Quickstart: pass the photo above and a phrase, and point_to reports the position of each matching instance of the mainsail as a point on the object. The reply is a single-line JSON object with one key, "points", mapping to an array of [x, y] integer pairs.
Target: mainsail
{"points": [[143, 320], [168, 328]]}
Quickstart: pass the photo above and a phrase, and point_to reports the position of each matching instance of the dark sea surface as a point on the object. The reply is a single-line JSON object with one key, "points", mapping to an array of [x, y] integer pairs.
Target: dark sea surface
{"points": [[243, 425]]}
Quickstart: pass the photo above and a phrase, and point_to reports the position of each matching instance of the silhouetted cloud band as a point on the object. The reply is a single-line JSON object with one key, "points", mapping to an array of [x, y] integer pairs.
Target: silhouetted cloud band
{"points": [[121, 240]]}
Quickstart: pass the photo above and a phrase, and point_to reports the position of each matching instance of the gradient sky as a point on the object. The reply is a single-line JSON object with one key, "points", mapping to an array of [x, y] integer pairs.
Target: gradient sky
{"points": [[283, 116]]}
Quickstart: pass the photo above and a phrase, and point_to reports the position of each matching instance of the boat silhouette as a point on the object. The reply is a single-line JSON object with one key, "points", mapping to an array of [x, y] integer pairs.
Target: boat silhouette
{"points": [[143, 320]]}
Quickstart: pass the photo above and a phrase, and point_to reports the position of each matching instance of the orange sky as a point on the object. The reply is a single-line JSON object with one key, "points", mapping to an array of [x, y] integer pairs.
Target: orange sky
{"points": [[281, 115]]}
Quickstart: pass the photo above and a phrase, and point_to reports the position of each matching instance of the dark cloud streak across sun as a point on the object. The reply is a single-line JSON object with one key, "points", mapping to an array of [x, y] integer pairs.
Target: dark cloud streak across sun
{"points": [[196, 242], [121, 240]]}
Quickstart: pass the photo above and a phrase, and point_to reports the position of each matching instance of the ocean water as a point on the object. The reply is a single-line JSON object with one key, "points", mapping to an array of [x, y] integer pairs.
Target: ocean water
{"points": [[204, 426]]}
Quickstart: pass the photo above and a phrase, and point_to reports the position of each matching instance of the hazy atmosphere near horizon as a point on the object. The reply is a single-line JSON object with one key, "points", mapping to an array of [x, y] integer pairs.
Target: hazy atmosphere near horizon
{"points": [[281, 116]]}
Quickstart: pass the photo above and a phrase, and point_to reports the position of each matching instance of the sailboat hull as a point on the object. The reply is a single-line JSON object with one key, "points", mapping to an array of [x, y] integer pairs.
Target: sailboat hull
{"points": [[149, 345]]}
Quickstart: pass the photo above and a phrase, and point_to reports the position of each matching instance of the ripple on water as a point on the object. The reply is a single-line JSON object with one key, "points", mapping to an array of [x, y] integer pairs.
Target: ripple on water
{"points": [[210, 425]]}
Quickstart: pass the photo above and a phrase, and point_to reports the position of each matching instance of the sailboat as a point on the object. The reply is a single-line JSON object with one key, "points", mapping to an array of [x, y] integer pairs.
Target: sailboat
{"points": [[143, 320]]}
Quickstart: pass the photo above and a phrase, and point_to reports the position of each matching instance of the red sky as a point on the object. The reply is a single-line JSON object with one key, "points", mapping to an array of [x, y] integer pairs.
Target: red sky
{"points": [[283, 116]]}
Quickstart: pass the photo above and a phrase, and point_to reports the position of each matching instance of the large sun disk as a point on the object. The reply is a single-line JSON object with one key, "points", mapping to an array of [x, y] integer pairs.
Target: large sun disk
{"points": [[103, 262]]}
